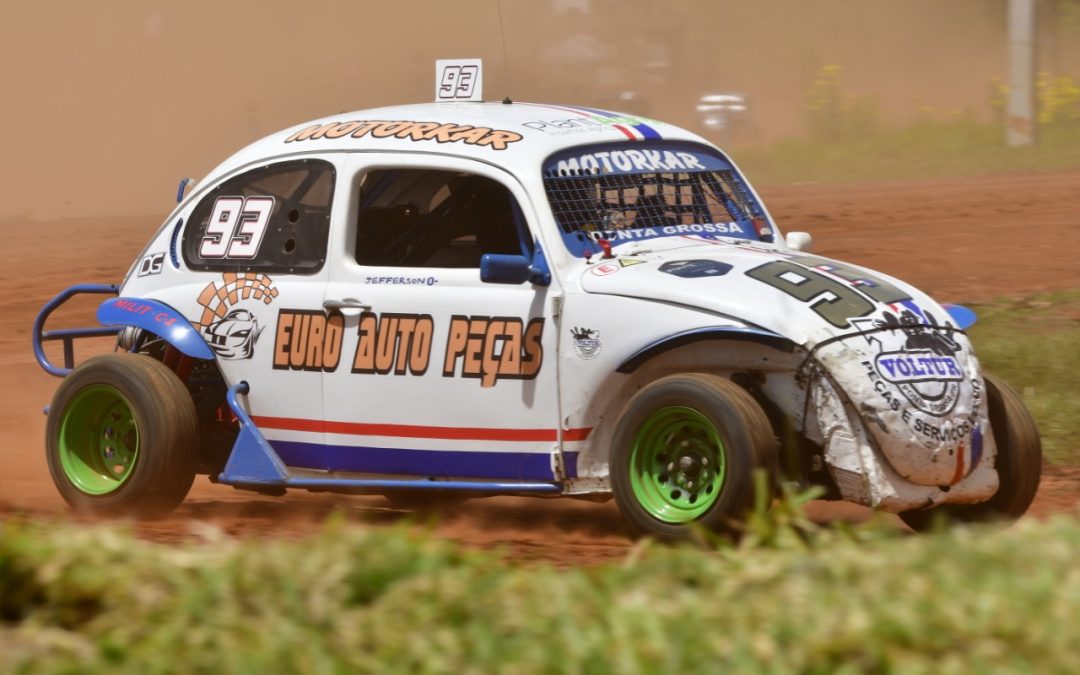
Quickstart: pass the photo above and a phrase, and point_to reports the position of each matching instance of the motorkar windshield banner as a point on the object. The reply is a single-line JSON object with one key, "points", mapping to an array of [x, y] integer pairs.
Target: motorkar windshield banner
{"points": [[633, 159], [622, 192]]}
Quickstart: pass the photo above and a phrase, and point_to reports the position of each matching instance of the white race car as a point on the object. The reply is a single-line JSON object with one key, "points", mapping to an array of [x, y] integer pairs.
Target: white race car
{"points": [[509, 298]]}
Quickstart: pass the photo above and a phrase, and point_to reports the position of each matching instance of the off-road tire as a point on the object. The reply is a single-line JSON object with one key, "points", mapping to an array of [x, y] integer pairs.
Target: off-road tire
{"points": [[1019, 466], [662, 440], [116, 408]]}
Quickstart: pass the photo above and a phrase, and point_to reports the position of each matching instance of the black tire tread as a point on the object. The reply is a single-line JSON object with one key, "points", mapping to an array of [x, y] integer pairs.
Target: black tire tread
{"points": [[163, 409], [1021, 471], [751, 433], [1019, 465]]}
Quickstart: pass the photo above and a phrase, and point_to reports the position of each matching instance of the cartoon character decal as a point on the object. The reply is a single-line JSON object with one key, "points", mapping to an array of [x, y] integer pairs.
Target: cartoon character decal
{"points": [[234, 336], [921, 336], [232, 331]]}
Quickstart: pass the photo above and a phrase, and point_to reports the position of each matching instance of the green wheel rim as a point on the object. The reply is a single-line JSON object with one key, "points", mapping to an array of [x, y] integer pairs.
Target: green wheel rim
{"points": [[677, 464], [99, 440]]}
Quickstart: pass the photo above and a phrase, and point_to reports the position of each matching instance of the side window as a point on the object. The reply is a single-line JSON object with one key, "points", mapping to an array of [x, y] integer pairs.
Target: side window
{"points": [[271, 219], [433, 218]]}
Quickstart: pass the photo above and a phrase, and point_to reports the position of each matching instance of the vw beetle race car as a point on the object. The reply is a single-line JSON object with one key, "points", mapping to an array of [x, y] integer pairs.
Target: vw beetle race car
{"points": [[473, 298]]}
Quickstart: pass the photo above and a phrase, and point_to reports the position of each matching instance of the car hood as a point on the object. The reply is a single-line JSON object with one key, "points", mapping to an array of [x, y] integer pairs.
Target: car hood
{"points": [[753, 284], [901, 362]]}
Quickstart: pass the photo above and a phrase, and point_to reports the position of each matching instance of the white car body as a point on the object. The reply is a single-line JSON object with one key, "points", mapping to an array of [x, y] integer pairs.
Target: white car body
{"points": [[423, 371]]}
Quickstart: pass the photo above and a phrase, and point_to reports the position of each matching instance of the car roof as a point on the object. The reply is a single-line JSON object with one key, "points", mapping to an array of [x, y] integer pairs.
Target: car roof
{"points": [[517, 136]]}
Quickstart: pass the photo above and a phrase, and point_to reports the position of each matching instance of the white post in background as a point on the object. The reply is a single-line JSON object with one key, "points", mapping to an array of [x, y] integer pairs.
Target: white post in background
{"points": [[1020, 128]]}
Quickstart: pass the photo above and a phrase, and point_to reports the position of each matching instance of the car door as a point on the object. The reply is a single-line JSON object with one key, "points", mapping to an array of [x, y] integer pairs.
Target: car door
{"points": [[255, 246], [441, 374]]}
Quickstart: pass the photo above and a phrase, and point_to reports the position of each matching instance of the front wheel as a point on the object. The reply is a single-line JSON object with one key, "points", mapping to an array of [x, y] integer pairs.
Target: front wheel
{"points": [[684, 454], [122, 437], [1019, 465]]}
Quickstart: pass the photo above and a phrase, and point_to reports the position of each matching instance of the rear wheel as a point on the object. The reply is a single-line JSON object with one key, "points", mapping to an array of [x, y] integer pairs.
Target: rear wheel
{"points": [[1019, 465], [122, 437], [684, 453]]}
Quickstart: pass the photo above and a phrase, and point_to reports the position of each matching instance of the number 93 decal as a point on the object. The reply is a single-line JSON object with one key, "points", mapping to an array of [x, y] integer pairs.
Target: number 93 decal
{"points": [[236, 227], [832, 300]]}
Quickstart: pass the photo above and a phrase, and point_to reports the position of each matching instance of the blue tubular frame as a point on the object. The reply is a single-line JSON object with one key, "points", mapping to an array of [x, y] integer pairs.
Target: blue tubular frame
{"points": [[253, 464], [67, 335]]}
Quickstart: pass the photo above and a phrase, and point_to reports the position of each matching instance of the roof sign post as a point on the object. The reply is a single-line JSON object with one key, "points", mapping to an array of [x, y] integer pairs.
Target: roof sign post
{"points": [[459, 80]]}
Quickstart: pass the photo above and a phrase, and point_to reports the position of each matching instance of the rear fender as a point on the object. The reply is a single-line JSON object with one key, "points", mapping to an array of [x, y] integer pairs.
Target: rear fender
{"points": [[157, 318]]}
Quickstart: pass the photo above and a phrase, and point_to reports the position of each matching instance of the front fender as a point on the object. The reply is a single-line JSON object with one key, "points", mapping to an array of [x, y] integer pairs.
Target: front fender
{"points": [[157, 318], [742, 333]]}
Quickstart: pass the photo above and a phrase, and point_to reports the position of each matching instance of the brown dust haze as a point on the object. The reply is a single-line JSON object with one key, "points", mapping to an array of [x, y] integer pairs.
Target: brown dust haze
{"points": [[106, 105]]}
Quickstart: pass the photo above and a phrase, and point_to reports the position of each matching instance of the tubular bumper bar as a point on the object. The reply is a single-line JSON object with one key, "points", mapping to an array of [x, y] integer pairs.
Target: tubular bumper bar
{"points": [[67, 335]]}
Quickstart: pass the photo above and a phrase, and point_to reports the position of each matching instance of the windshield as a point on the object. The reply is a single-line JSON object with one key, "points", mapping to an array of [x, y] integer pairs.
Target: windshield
{"points": [[623, 193]]}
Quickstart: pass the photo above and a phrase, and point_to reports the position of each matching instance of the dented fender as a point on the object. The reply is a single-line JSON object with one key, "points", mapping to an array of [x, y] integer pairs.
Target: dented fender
{"points": [[859, 464]]}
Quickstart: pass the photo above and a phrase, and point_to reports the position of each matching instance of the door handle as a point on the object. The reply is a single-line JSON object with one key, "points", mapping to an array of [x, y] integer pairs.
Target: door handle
{"points": [[346, 303]]}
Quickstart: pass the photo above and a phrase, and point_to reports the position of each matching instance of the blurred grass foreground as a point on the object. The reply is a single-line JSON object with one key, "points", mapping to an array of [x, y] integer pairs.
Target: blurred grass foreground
{"points": [[96, 599]]}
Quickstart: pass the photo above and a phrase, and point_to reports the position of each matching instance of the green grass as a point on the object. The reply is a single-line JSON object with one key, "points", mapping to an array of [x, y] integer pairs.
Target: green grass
{"points": [[921, 151], [92, 599], [1034, 344]]}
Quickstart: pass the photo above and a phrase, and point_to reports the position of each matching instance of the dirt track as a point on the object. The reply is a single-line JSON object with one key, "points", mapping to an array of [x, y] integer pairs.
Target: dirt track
{"points": [[962, 240]]}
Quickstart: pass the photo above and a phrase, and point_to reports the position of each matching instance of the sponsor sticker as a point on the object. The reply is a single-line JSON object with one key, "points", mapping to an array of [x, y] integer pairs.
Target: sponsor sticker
{"points": [[585, 123], [308, 340], [494, 348], [232, 330], [487, 348], [401, 281], [693, 269], [618, 234], [604, 269], [925, 370], [634, 161], [917, 361], [919, 366], [151, 264], [586, 342], [440, 132], [917, 372], [393, 343]]}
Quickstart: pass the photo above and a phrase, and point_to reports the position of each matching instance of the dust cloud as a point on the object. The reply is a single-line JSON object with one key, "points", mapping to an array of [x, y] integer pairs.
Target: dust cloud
{"points": [[107, 105]]}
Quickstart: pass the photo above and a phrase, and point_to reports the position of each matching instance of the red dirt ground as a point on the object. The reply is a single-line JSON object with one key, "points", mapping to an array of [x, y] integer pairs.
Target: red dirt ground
{"points": [[962, 240]]}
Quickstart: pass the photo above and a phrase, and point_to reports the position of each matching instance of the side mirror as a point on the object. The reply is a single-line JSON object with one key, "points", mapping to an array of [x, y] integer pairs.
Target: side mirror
{"points": [[799, 241], [496, 268]]}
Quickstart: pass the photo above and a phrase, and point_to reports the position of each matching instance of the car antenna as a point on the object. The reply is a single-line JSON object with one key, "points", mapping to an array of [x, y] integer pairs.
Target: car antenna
{"points": [[506, 64], [184, 182]]}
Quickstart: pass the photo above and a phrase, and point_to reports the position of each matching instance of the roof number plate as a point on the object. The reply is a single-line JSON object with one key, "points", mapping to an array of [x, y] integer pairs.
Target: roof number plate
{"points": [[459, 80]]}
